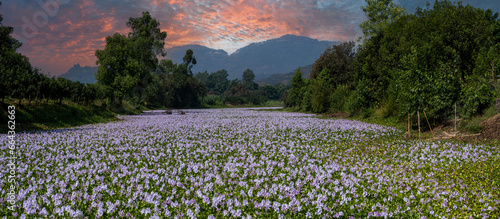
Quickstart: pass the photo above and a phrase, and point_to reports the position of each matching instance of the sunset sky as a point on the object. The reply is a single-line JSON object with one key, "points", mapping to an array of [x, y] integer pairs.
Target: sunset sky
{"points": [[57, 34]]}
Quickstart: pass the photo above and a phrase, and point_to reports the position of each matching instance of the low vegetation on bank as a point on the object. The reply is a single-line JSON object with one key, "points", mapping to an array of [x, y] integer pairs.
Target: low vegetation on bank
{"points": [[54, 115]]}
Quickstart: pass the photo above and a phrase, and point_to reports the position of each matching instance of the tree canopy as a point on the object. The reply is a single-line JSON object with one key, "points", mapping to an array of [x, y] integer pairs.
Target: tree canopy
{"points": [[442, 55], [125, 64]]}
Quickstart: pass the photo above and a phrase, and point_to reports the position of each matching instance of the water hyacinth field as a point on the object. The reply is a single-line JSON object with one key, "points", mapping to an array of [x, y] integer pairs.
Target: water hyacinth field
{"points": [[242, 163]]}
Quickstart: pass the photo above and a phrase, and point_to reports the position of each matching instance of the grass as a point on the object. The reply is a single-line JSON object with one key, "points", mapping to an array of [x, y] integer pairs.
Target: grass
{"points": [[53, 115], [473, 125]]}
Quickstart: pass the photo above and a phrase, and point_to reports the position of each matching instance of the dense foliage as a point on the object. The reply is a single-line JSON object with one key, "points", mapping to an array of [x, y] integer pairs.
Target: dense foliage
{"points": [[428, 61], [220, 90], [328, 87]]}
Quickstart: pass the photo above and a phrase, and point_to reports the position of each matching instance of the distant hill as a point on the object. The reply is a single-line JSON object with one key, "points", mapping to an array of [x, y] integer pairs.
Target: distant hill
{"points": [[84, 74], [285, 78], [266, 58], [207, 59], [284, 54]]}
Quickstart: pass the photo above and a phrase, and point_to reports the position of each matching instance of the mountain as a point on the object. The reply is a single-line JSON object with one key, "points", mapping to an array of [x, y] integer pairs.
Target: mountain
{"points": [[283, 54], [285, 78], [84, 74], [207, 59]]}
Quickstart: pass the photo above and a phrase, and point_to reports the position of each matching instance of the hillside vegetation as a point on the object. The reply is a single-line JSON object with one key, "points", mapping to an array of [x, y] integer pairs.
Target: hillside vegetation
{"points": [[406, 64]]}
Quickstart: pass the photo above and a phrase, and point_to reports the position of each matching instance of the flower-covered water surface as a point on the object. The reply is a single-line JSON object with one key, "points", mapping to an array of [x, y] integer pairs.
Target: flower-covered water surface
{"points": [[242, 163]]}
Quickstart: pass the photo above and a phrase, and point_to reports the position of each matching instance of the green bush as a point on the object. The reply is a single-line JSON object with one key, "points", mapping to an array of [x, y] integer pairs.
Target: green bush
{"points": [[477, 98], [361, 98], [274, 103], [321, 90], [307, 93], [213, 100], [339, 98]]}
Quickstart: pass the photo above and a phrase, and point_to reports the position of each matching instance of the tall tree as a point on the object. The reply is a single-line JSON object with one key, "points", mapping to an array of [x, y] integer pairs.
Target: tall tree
{"points": [[188, 62], [248, 80], [218, 82], [295, 95], [14, 67], [125, 64], [187, 89], [337, 61], [380, 14], [146, 30]]}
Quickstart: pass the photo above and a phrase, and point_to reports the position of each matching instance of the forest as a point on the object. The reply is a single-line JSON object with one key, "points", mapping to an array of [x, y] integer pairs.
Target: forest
{"points": [[433, 61]]}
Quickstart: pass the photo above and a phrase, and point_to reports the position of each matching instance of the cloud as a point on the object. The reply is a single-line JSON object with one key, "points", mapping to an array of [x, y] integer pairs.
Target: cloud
{"points": [[70, 32]]}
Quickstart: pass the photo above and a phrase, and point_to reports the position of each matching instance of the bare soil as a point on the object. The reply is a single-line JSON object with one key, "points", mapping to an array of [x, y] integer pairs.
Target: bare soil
{"points": [[491, 128], [490, 131]]}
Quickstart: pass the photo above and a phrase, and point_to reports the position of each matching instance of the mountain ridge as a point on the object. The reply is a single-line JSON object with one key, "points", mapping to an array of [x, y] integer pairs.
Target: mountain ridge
{"points": [[278, 55], [274, 56], [85, 74]]}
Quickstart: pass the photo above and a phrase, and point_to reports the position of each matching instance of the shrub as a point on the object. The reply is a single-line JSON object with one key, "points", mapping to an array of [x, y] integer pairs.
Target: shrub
{"points": [[213, 100]]}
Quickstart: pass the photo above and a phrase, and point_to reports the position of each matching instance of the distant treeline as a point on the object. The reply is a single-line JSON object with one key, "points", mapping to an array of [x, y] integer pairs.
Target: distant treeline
{"points": [[220, 90], [406, 63]]}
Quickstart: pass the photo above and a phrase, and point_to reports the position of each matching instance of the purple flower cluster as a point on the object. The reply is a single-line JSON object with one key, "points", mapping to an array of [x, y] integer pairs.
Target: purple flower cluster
{"points": [[241, 163]]}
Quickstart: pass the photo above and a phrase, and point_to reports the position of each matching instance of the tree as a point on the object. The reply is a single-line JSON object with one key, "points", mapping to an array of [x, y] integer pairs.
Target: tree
{"points": [[337, 61], [272, 92], [295, 95], [13, 65], [188, 62], [125, 64], [380, 14], [479, 89], [218, 82], [248, 80], [187, 90], [117, 70], [146, 31], [321, 90]]}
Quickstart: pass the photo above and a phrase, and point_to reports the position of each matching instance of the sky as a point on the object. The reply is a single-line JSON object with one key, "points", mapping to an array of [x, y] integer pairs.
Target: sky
{"points": [[57, 34]]}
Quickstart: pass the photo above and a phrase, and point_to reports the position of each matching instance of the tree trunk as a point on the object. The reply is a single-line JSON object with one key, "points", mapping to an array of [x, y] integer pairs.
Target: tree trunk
{"points": [[418, 115]]}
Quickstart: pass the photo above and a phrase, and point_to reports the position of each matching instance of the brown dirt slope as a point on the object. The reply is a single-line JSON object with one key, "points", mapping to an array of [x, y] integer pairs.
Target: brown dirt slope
{"points": [[491, 128]]}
